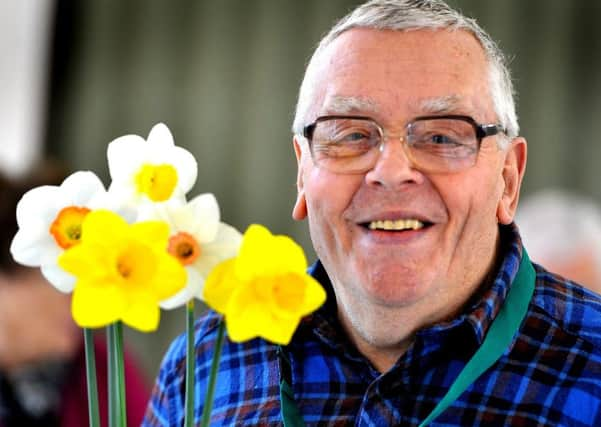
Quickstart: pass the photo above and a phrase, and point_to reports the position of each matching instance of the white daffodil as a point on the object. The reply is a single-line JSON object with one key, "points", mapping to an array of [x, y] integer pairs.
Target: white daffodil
{"points": [[49, 219], [198, 240], [153, 170]]}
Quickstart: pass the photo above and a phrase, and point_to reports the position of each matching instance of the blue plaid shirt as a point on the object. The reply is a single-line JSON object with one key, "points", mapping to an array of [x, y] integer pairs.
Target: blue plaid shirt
{"points": [[549, 376]]}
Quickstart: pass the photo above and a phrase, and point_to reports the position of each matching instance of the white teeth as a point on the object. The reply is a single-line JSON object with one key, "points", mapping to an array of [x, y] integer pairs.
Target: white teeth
{"points": [[399, 224]]}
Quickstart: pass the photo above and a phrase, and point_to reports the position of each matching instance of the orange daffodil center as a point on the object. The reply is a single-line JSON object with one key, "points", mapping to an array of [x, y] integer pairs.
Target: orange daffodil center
{"points": [[50, 221], [66, 228], [199, 240], [184, 247], [265, 290]]}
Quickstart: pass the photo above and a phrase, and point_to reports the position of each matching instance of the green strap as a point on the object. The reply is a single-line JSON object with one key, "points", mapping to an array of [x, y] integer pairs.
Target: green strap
{"points": [[497, 340], [290, 413]]}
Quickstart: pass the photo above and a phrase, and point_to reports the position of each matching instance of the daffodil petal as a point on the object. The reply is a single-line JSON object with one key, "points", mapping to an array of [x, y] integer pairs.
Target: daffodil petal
{"points": [[59, 278], [170, 277], [124, 156], [259, 244], [143, 315], [33, 246], [288, 254], [186, 166], [280, 332], [314, 296], [153, 233], [83, 261], [251, 259], [122, 195], [225, 246], [105, 200], [40, 205], [244, 324], [161, 137], [220, 285], [94, 307], [193, 288], [158, 212], [200, 217], [81, 187], [103, 226]]}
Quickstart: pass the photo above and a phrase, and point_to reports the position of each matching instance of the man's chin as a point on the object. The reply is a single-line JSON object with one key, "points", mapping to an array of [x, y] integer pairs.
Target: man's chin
{"points": [[395, 288]]}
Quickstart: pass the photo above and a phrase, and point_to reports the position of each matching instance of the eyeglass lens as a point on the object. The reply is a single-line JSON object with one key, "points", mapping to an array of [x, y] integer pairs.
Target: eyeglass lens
{"points": [[347, 145]]}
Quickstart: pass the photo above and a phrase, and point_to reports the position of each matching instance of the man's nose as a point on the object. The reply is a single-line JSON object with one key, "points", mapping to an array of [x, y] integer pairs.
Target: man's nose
{"points": [[393, 167]]}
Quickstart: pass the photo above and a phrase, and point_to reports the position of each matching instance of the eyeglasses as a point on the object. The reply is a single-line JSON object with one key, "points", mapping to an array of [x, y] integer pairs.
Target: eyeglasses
{"points": [[351, 144]]}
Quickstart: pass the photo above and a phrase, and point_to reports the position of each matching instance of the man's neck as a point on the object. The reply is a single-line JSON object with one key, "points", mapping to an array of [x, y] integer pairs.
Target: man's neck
{"points": [[385, 334]]}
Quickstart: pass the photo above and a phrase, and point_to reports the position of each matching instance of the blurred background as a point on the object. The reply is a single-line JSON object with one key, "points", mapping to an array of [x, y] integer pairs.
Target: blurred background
{"points": [[223, 75]]}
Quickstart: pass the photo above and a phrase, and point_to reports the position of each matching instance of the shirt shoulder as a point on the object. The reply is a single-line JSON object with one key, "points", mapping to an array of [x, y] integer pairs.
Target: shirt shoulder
{"points": [[570, 306]]}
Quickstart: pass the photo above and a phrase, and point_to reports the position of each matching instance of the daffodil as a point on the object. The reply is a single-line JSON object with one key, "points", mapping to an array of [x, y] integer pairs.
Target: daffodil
{"points": [[265, 290], [50, 219], [153, 170], [122, 271], [197, 239]]}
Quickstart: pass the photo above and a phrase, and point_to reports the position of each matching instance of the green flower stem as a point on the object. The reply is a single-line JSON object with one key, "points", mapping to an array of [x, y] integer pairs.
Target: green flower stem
{"points": [[111, 377], [120, 373], [190, 368], [208, 406], [116, 380], [94, 415]]}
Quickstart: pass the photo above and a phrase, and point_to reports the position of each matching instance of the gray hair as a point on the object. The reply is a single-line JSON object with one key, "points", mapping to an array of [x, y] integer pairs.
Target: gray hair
{"points": [[554, 224], [401, 15]]}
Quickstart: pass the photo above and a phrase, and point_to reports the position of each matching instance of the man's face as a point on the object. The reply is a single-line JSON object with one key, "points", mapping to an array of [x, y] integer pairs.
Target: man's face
{"points": [[395, 77]]}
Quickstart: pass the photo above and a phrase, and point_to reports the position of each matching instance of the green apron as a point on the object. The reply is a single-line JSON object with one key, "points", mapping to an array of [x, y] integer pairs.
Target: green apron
{"points": [[499, 337]]}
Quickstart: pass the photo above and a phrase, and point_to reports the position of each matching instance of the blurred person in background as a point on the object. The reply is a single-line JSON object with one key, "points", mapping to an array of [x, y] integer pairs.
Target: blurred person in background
{"points": [[42, 364], [562, 231]]}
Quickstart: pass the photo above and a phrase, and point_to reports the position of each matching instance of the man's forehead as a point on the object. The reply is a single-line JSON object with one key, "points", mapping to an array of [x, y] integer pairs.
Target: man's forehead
{"points": [[340, 104], [376, 73]]}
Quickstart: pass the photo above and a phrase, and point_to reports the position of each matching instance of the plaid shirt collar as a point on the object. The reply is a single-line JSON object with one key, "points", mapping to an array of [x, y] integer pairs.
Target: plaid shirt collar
{"points": [[470, 326]]}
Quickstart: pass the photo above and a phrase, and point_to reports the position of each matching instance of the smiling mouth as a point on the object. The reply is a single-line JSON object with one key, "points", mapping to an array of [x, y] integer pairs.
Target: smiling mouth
{"points": [[396, 225]]}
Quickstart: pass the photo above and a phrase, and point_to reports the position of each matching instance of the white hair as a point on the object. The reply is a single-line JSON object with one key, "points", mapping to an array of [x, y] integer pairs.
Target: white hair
{"points": [[402, 15], [555, 224]]}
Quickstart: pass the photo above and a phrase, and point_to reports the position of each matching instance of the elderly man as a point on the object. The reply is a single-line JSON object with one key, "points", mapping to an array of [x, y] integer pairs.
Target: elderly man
{"points": [[409, 172]]}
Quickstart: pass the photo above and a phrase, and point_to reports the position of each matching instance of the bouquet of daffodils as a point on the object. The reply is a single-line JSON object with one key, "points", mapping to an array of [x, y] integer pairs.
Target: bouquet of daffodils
{"points": [[139, 246]]}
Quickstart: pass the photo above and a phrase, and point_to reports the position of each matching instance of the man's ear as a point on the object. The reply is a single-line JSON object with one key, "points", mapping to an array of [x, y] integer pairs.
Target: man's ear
{"points": [[299, 212], [513, 173]]}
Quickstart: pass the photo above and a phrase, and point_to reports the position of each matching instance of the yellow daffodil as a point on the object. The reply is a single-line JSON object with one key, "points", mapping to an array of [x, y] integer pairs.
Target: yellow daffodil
{"points": [[50, 219], [265, 290], [153, 170], [122, 271], [197, 239]]}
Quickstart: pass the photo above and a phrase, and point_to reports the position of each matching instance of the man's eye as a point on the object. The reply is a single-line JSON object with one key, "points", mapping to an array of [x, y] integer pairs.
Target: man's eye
{"points": [[352, 137], [440, 139]]}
